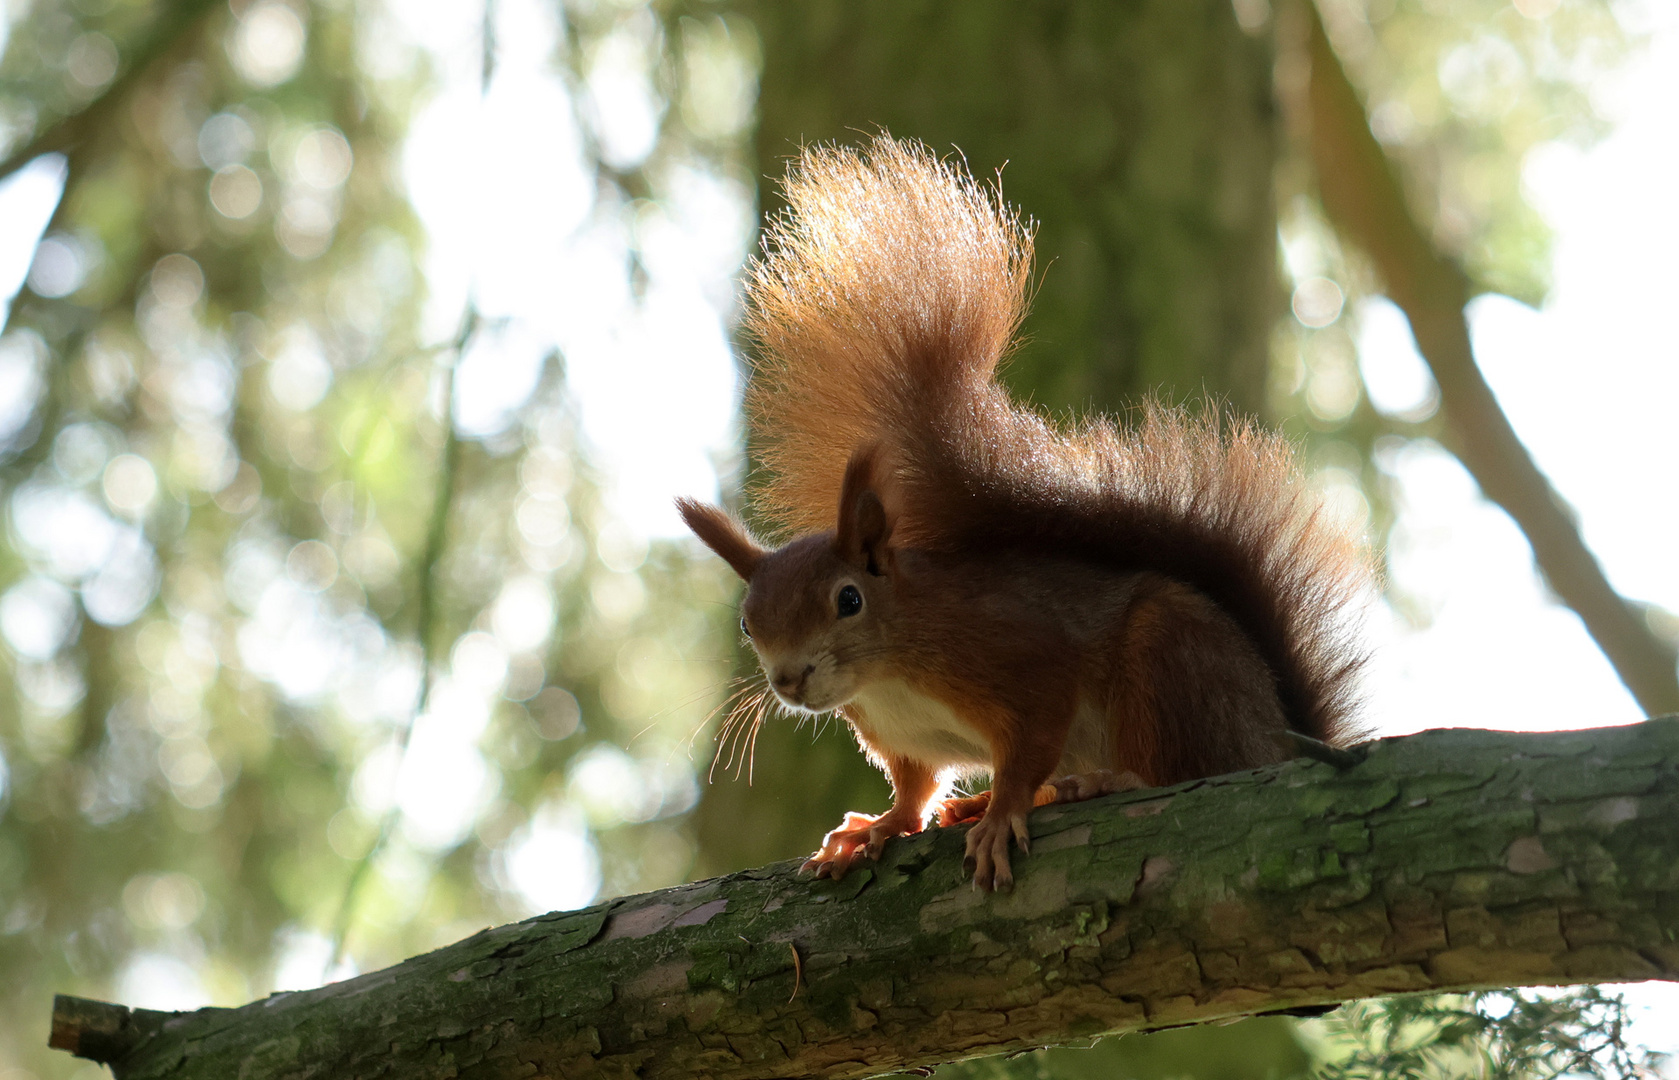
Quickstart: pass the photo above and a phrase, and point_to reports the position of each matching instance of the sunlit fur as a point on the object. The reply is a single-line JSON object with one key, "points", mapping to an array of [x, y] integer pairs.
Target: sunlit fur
{"points": [[886, 298], [890, 275], [1155, 601]]}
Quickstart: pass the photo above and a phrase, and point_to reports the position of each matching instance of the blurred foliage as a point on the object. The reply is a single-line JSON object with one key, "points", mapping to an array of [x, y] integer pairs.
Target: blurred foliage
{"points": [[1461, 96], [231, 414], [1493, 1035], [1263, 1048], [228, 435], [1460, 93], [1496, 1035]]}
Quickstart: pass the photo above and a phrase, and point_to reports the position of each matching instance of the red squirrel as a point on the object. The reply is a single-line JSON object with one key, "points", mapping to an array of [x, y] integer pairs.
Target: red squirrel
{"points": [[1074, 610]]}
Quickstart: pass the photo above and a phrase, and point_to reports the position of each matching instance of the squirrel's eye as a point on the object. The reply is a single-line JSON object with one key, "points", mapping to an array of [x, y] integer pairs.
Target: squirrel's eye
{"points": [[850, 601], [743, 628]]}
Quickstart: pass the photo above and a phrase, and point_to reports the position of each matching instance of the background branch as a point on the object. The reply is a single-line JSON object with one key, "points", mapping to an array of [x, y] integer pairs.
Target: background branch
{"points": [[1364, 200]]}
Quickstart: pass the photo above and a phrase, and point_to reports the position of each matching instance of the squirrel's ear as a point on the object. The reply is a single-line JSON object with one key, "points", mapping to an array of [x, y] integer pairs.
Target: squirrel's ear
{"points": [[722, 534], [865, 525]]}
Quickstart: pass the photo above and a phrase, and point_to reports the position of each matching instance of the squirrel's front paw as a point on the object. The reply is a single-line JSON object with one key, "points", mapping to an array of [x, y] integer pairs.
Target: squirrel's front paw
{"points": [[988, 848], [858, 834]]}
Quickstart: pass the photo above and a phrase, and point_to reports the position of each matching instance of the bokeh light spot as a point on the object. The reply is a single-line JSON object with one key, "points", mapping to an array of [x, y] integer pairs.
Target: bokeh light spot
{"points": [[552, 862], [299, 375], [1317, 302], [22, 356], [37, 616], [523, 614], [312, 565], [621, 549], [305, 225], [322, 158], [170, 901], [53, 687], [225, 139], [81, 450], [525, 677], [177, 281], [338, 507], [125, 582], [59, 268], [267, 44], [542, 522], [479, 663], [351, 833], [371, 559], [618, 598], [153, 980], [243, 491], [235, 192], [556, 713], [91, 60], [130, 484], [444, 782]]}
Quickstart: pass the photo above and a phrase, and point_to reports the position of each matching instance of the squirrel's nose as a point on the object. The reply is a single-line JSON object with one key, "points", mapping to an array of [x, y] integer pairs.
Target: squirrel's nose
{"points": [[792, 684]]}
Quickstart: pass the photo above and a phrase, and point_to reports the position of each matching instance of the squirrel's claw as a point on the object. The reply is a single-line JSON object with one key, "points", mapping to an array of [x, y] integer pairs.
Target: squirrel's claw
{"points": [[987, 849]]}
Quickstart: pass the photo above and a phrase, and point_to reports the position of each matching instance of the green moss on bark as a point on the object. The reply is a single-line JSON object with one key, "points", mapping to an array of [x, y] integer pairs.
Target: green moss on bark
{"points": [[1446, 860]]}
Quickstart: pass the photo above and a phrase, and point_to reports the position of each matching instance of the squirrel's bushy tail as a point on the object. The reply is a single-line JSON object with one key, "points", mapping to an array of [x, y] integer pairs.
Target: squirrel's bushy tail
{"points": [[887, 296], [892, 276]]}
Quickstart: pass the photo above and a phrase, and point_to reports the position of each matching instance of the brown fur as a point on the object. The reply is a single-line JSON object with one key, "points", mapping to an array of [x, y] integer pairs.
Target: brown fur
{"points": [[1171, 583]]}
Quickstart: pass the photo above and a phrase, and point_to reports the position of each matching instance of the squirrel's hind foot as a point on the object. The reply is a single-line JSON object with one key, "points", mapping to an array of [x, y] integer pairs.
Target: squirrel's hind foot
{"points": [[967, 809], [963, 809], [1090, 785]]}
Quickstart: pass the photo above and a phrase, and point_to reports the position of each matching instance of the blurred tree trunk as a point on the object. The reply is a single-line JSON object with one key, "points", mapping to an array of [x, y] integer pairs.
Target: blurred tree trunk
{"points": [[1141, 138]]}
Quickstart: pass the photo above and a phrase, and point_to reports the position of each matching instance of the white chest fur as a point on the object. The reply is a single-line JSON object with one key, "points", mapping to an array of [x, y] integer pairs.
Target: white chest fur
{"points": [[900, 722]]}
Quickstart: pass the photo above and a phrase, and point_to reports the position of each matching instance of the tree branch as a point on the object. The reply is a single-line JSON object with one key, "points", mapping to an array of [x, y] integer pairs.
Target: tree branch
{"points": [[1363, 198], [1447, 860]]}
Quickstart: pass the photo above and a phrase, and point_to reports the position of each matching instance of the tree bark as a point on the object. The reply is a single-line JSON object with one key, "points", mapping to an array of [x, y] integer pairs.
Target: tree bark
{"points": [[1448, 860]]}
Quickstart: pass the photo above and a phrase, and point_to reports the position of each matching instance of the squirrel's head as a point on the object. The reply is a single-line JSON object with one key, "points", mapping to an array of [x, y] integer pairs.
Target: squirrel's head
{"points": [[815, 608]]}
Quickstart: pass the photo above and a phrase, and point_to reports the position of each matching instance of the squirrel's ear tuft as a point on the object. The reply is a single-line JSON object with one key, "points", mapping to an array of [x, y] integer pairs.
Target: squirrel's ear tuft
{"points": [[724, 535], [865, 524]]}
